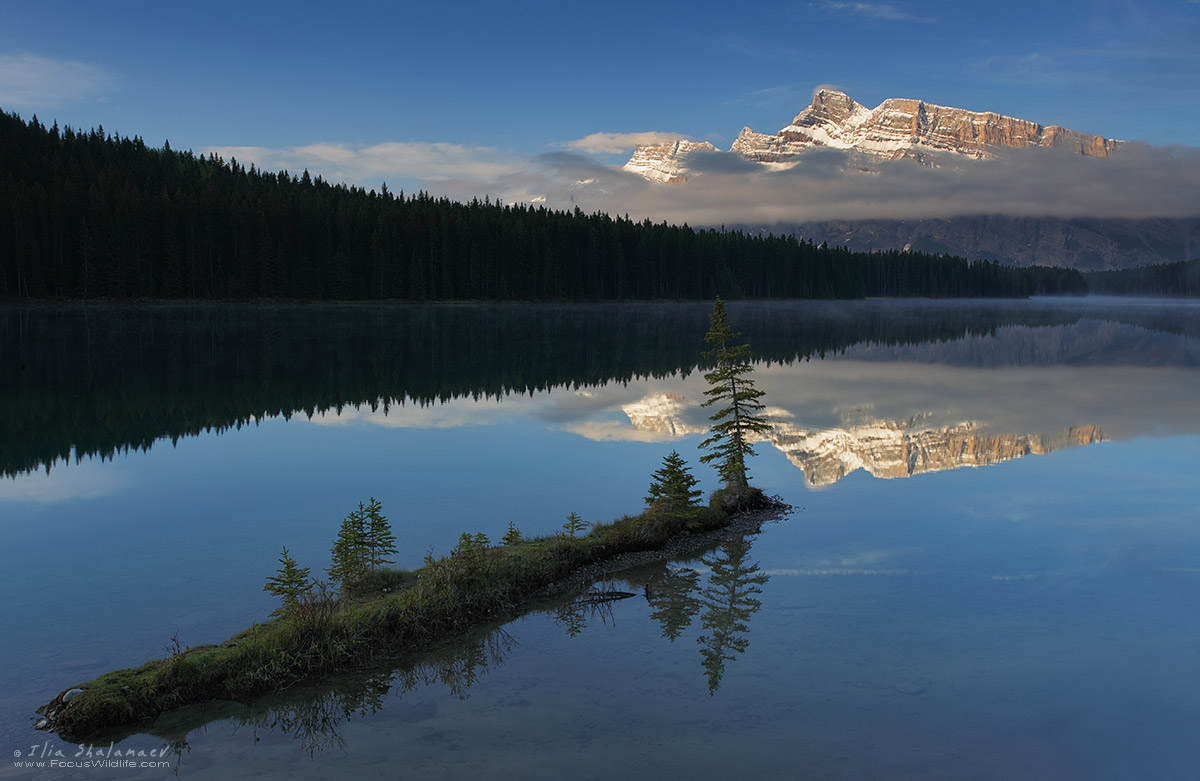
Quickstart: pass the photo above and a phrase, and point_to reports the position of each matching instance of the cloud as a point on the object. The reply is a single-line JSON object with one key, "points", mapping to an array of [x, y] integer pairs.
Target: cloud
{"points": [[82, 480], [838, 571], [723, 189], [357, 164], [876, 11], [453, 413], [616, 431], [616, 143], [30, 81]]}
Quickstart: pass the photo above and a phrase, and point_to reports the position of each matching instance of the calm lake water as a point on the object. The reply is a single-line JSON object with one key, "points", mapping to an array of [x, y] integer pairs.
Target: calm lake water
{"points": [[993, 569]]}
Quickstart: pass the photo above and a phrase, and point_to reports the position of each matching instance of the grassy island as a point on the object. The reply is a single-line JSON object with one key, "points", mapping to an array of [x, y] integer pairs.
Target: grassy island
{"points": [[389, 611]]}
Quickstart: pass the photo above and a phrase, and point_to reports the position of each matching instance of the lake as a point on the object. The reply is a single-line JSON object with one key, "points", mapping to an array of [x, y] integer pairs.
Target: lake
{"points": [[992, 569]]}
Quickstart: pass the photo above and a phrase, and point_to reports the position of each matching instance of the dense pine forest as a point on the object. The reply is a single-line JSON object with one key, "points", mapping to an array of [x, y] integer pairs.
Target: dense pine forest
{"points": [[1163, 279], [93, 215]]}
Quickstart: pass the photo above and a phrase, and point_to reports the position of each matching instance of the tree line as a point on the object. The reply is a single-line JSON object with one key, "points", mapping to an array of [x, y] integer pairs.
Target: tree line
{"points": [[1162, 279], [87, 214]]}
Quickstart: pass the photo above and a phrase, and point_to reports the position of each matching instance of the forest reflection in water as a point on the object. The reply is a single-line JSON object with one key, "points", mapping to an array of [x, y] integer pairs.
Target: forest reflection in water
{"points": [[85, 381], [79, 381], [958, 619], [718, 586]]}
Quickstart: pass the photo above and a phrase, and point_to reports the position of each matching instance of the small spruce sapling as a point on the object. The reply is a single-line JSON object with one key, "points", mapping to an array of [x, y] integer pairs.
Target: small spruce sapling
{"points": [[350, 554], [379, 540], [673, 488], [362, 543], [574, 525], [512, 536], [290, 583]]}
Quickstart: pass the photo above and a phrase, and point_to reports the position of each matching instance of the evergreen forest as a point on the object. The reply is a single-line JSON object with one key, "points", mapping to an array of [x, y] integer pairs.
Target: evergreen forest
{"points": [[1162, 279], [92, 215]]}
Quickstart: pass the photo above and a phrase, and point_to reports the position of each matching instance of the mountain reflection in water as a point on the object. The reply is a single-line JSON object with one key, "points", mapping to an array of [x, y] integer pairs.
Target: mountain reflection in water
{"points": [[899, 388]]}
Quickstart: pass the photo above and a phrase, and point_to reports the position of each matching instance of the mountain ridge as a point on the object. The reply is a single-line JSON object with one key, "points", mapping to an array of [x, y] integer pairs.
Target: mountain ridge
{"points": [[1084, 243], [898, 128], [837, 142]]}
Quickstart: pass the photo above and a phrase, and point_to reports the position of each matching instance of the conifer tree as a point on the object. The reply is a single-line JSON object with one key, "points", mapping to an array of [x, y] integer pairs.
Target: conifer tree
{"points": [[674, 486], [363, 541], [379, 538], [731, 385], [289, 582], [350, 554], [574, 525]]}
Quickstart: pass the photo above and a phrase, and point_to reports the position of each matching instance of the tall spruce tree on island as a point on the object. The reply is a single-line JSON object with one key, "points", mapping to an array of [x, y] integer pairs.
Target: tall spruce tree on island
{"points": [[740, 416]]}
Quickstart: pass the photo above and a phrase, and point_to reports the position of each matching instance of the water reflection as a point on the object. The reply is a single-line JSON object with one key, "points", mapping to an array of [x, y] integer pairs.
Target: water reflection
{"points": [[908, 409], [722, 594], [313, 714], [980, 580], [79, 381], [728, 601], [672, 595], [574, 615], [900, 389]]}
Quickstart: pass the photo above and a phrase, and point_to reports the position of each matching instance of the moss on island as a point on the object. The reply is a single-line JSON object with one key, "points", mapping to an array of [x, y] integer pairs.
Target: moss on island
{"points": [[390, 611]]}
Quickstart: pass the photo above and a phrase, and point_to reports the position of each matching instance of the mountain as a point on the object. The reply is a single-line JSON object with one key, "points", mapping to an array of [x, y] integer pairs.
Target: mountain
{"points": [[898, 128], [1084, 243], [904, 128], [667, 163], [952, 141]]}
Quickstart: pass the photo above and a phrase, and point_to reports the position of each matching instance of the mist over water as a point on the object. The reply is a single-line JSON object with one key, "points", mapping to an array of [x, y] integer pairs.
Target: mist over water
{"points": [[992, 569]]}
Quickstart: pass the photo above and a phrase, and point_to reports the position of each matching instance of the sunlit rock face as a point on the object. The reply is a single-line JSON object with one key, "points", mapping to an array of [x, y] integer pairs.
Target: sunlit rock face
{"points": [[890, 449], [667, 163], [897, 128], [901, 127]]}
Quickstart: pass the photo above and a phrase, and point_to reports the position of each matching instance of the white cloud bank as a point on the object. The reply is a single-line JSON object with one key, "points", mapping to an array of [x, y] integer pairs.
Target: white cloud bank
{"points": [[617, 143], [1136, 182], [725, 189], [28, 81], [876, 11], [338, 162]]}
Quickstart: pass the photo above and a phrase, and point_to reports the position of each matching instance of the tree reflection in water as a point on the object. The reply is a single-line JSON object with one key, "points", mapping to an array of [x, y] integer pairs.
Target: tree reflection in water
{"points": [[313, 715], [728, 604]]}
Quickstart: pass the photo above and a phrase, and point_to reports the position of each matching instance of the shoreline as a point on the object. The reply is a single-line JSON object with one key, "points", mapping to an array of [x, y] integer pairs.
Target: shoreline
{"points": [[444, 597], [680, 546]]}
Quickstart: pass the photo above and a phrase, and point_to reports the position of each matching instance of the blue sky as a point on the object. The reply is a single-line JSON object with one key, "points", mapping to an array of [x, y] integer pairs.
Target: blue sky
{"points": [[459, 95]]}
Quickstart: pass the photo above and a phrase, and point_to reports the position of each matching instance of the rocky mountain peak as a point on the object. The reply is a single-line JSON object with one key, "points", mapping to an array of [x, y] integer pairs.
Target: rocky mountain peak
{"points": [[829, 106], [896, 128], [667, 163]]}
